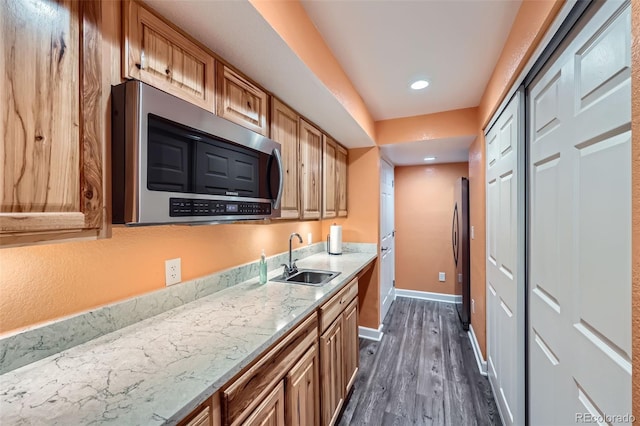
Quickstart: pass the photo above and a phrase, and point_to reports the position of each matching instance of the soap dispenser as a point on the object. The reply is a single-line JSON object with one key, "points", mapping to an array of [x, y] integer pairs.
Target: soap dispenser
{"points": [[263, 268]]}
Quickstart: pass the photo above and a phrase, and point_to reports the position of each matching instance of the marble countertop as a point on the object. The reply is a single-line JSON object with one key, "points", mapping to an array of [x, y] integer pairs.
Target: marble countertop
{"points": [[158, 370]]}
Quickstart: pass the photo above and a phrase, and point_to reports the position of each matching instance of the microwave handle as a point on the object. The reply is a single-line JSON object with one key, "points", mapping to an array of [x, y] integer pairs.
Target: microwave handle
{"points": [[278, 157]]}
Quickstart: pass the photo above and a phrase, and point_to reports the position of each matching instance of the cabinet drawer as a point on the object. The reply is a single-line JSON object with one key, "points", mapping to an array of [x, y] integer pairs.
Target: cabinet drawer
{"points": [[334, 307], [245, 393]]}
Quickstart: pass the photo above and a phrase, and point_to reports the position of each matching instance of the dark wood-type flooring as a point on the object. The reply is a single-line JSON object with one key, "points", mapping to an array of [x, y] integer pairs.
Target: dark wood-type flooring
{"points": [[422, 372]]}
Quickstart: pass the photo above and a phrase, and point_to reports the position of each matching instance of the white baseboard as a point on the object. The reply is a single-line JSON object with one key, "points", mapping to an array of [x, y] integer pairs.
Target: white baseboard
{"points": [[370, 333], [482, 364], [425, 295]]}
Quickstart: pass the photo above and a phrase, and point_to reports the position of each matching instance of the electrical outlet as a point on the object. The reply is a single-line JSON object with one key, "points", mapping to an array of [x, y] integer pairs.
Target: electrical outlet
{"points": [[473, 232], [173, 274], [441, 276], [309, 238], [473, 306]]}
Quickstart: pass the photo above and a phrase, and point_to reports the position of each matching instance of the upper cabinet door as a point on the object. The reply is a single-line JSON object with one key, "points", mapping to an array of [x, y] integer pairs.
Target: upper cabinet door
{"points": [[341, 183], [241, 102], [51, 122], [158, 55], [329, 195], [284, 129], [310, 167]]}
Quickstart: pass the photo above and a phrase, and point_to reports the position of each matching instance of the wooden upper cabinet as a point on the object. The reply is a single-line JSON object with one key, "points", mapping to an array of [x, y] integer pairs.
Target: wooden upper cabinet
{"points": [[310, 168], [329, 194], [51, 122], [341, 183], [241, 102], [157, 54], [284, 129]]}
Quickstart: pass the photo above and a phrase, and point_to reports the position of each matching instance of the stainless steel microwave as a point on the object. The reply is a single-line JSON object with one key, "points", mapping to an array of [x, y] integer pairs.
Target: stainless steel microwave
{"points": [[173, 162]]}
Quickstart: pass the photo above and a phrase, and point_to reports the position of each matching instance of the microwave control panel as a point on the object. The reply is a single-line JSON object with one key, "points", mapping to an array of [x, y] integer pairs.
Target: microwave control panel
{"points": [[180, 207]]}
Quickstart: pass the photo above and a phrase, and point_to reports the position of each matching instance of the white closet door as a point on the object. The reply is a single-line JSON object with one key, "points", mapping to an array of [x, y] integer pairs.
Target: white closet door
{"points": [[505, 260], [580, 226]]}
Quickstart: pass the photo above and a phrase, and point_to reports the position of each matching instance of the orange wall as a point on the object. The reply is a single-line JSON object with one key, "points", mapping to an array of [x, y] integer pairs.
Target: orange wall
{"points": [[635, 132], [477, 219], [531, 23], [424, 200], [460, 122], [291, 22], [45, 282], [363, 224]]}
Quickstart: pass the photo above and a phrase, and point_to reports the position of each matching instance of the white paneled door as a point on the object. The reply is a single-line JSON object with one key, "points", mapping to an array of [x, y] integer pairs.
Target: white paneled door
{"points": [[580, 226], [505, 261], [387, 238]]}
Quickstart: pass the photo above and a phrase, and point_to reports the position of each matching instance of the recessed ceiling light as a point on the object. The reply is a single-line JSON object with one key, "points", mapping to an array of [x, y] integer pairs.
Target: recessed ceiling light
{"points": [[419, 84], [429, 158]]}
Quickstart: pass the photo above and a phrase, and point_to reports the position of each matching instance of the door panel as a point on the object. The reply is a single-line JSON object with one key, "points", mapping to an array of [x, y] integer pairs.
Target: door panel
{"points": [[580, 227], [505, 257], [387, 238]]}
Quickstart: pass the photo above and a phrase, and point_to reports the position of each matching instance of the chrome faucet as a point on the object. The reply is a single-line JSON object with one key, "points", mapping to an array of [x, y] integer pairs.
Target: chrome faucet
{"points": [[291, 268]]}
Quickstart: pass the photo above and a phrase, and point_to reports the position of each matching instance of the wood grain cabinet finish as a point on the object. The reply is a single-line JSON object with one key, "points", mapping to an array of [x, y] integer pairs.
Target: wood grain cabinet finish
{"points": [[310, 170], [284, 129], [329, 177], [243, 395], [271, 411], [351, 346], [51, 124], [341, 183], [302, 391], [241, 101], [208, 414], [157, 54], [338, 350], [332, 372]]}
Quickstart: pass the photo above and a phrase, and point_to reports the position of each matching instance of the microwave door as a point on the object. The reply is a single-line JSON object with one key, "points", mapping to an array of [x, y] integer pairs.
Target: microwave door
{"points": [[278, 170]]}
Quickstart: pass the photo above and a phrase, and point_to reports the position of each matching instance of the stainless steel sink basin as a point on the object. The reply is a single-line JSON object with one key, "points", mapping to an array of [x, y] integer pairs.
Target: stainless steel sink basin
{"points": [[313, 277]]}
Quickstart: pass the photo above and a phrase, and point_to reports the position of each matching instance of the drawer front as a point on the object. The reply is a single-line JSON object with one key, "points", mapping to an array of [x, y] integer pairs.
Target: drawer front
{"points": [[334, 307], [245, 393]]}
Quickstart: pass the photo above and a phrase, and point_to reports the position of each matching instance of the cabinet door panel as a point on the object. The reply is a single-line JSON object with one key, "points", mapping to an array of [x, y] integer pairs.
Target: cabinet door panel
{"points": [[241, 102], [51, 150], [303, 396], [351, 344], [284, 129], [331, 372], [158, 55], [271, 411], [311, 162], [341, 184], [329, 195]]}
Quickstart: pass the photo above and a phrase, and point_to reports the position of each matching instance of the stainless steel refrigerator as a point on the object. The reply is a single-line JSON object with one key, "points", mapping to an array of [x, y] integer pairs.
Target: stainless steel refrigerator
{"points": [[460, 243]]}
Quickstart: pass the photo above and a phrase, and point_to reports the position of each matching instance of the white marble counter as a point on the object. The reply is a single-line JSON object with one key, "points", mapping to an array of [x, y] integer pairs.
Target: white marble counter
{"points": [[158, 370]]}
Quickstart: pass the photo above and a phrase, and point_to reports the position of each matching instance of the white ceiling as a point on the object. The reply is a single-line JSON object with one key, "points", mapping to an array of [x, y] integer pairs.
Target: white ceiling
{"points": [[448, 150], [381, 44], [385, 45]]}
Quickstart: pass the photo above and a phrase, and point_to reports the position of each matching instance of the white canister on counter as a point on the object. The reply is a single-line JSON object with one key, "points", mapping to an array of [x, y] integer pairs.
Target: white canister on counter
{"points": [[334, 239]]}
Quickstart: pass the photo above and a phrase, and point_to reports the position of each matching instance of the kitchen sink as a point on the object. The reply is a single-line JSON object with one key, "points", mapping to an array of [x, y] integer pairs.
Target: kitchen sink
{"points": [[313, 277]]}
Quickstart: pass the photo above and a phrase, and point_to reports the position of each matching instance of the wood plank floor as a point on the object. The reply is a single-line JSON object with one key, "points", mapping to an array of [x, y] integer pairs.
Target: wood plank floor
{"points": [[423, 372]]}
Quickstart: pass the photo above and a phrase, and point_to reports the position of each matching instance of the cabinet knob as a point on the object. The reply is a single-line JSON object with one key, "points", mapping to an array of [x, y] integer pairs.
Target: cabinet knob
{"points": [[167, 71]]}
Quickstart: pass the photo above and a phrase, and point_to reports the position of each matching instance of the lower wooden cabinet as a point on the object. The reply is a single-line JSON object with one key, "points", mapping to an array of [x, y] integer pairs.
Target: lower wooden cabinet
{"points": [[271, 411], [302, 391], [338, 350], [332, 372], [351, 353], [208, 414], [301, 380]]}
